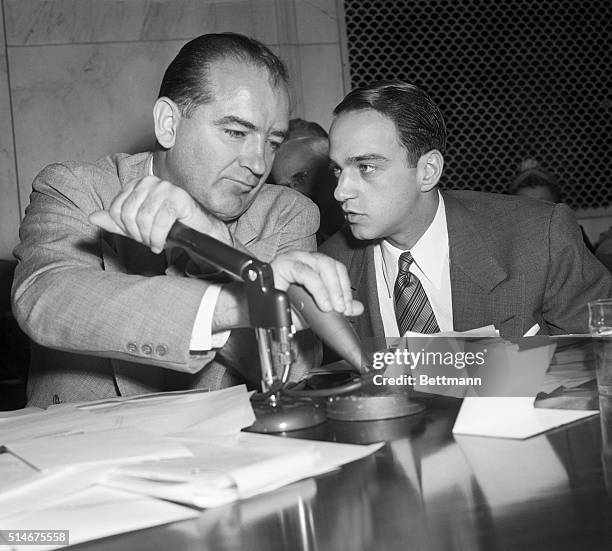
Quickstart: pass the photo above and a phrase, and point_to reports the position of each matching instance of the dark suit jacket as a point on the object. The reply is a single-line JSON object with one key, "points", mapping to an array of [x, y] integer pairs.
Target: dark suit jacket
{"points": [[514, 262]]}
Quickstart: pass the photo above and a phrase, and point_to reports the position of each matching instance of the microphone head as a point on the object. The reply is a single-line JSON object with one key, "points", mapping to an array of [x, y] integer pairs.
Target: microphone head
{"points": [[332, 327]]}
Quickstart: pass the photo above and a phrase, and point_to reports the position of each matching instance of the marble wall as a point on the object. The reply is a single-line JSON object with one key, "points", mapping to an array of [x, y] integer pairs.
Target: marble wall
{"points": [[78, 77]]}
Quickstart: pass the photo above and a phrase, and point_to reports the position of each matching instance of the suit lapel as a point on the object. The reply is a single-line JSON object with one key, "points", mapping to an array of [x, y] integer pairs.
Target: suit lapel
{"points": [[362, 273], [481, 291]]}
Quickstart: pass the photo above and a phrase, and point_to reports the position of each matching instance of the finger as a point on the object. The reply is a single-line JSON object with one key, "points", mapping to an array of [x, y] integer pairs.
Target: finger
{"points": [[171, 203], [104, 220], [162, 222], [115, 208], [292, 270], [356, 308], [130, 212], [345, 286], [326, 267], [147, 216]]}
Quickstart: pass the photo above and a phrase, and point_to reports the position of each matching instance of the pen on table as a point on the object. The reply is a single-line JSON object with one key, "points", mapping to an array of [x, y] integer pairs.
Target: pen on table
{"points": [[532, 331]]}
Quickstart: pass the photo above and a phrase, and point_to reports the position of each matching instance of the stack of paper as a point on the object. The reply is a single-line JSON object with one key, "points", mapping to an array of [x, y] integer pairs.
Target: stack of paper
{"points": [[108, 467]]}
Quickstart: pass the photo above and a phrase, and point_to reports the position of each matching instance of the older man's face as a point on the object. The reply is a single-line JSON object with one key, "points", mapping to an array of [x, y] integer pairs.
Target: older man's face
{"points": [[224, 150]]}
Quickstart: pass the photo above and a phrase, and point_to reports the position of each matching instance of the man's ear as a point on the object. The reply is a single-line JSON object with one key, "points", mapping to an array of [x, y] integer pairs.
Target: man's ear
{"points": [[429, 169], [166, 116]]}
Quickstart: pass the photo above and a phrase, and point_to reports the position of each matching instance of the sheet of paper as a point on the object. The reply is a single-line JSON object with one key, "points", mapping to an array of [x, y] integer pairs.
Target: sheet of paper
{"points": [[511, 417], [96, 513], [221, 471], [199, 412], [329, 455], [13, 470], [485, 331], [34, 423], [225, 469], [513, 370], [572, 365], [97, 447], [43, 489]]}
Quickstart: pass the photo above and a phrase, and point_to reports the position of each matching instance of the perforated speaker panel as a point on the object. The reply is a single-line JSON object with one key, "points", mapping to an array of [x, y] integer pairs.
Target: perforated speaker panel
{"points": [[515, 79]]}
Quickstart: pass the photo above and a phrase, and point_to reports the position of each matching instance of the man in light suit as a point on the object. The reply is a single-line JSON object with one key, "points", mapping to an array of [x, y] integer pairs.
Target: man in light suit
{"points": [[108, 313], [480, 258]]}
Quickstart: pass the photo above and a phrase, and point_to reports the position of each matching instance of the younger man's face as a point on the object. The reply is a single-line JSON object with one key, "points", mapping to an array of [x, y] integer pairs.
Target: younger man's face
{"points": [[378, 189]]}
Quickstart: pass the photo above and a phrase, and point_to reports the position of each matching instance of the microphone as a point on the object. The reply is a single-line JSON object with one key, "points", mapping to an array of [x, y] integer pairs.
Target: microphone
{"points": [[332, 327]]}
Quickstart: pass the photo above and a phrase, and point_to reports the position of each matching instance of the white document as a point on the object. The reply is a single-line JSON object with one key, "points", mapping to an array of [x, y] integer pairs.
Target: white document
{"points": [[33, 423], [225, 469], [43, 489], [511, 417], [485, 331], [96, 513], [222, 471], [225, 411], [330, 455], [96, 447]]}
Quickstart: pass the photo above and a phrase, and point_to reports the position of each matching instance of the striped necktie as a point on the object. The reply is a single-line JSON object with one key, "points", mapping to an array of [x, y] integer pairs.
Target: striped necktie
{"points": [[412, 308]]}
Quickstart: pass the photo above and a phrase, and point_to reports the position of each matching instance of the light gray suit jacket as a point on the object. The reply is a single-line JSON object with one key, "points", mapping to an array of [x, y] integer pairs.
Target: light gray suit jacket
{"points": [[106, 317], [514, 262]]}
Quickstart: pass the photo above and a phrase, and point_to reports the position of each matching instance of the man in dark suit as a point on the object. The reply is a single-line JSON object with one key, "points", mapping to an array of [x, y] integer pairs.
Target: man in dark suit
{"points": [[427, 260]]}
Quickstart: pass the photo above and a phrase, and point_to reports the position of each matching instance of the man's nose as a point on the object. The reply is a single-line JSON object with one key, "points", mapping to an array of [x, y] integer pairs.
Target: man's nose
{"points": [[253, 157], [344, 188]]}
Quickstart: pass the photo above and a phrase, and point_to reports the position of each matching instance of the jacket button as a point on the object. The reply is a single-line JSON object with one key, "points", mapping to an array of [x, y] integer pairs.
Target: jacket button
{"points": [[161, 349], [147, 349], [132, 348]]}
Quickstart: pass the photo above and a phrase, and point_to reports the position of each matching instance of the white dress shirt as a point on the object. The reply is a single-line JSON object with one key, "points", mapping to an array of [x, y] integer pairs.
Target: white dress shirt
{"points": [[431, 266]]}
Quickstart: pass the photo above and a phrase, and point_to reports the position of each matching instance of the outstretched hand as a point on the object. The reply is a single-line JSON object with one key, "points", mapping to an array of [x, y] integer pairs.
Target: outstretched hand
{"points": [[323, 277]]}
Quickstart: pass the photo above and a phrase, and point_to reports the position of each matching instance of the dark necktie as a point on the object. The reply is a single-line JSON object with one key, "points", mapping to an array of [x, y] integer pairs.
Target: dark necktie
{"points": [[412, 308]]}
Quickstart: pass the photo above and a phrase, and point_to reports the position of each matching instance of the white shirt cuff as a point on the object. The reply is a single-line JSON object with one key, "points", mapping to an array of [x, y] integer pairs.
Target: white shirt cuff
{"points": [[202, 337]]}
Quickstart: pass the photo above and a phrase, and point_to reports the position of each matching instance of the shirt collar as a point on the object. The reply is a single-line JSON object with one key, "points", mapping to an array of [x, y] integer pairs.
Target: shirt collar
{"points": [[429, 252], [150, 165]]}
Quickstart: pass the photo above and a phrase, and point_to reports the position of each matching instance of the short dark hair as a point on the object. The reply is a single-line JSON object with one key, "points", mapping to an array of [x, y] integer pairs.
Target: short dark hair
{"points": [[419, 122], [186, 80]]}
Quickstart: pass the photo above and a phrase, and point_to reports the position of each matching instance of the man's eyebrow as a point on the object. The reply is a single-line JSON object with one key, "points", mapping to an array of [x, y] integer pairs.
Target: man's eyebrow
{"points": [[366, 157], [232, 119]]}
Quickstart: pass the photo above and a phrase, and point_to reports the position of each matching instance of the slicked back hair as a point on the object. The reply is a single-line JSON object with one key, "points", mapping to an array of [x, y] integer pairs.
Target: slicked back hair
{"points": [[186, 80], [419, 122]]}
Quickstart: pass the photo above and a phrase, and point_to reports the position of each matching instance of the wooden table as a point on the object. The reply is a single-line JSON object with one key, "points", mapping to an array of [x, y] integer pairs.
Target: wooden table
{"points": [[424, 490]]}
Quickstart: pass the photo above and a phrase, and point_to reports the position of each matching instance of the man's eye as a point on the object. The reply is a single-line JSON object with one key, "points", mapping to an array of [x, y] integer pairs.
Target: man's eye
{"points": [[336, 172], [366, 169], [274, 145], [235, 133]]}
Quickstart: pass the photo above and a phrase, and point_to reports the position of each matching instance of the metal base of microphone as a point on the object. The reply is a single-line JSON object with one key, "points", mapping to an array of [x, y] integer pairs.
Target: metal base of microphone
{"points": [[371, 407], [286, 415]]}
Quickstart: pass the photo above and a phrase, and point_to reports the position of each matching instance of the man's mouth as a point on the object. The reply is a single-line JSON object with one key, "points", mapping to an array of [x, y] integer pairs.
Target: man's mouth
{"points": [[350, 215], [244, 183]]}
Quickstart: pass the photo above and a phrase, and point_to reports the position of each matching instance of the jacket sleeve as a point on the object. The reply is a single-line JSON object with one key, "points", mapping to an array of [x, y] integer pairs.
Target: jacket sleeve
{"points": [[64, 296], [574, 278]]}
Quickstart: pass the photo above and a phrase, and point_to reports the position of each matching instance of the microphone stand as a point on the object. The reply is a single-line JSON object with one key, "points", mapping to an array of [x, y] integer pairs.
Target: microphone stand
{"points": [[270, 315]]}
